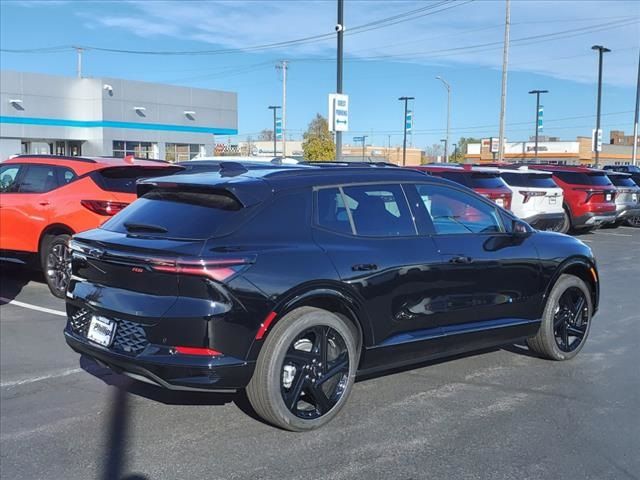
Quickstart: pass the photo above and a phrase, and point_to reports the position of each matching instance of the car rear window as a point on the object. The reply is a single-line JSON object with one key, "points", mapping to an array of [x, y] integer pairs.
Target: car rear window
{"points": [[583, 178], [622, 181], [474, 179], [168, 213], [533, 180], [123, 179]]}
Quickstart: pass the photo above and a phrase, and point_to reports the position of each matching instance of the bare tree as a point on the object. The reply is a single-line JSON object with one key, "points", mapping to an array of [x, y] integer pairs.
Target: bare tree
{"points": [[266, 135], [433, 152]]}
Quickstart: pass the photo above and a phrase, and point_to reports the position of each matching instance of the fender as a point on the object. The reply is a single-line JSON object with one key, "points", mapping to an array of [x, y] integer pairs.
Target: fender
{"points": [[59, 228], [575, 265]]}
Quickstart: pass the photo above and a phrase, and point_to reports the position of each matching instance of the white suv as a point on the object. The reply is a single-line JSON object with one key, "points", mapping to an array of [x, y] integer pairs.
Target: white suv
{"points": [[537, 199]]}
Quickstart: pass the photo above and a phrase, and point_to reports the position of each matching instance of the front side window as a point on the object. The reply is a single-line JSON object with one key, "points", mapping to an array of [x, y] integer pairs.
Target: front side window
{"points": [[452, 211], [8, 176], [365, 210], [39, 179]]}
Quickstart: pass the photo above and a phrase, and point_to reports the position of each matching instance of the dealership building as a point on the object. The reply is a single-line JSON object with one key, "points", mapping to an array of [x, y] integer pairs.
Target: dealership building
{"points": [[46, 114]]}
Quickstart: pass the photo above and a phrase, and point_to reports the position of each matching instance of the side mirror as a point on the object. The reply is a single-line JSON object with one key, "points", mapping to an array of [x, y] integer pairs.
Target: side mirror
{"points": [[518, 227]]}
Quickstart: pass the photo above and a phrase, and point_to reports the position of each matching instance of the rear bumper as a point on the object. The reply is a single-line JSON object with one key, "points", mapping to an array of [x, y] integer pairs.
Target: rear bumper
{"points": [[591, 219], [156, 365], [625, 211], [545, 221]]}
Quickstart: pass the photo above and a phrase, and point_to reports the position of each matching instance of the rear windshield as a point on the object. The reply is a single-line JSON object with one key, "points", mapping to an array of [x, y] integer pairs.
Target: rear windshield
{"points": [[533, 180], [474, 179], [193, 215], [123, 179], [622, 181], [580, 178]]}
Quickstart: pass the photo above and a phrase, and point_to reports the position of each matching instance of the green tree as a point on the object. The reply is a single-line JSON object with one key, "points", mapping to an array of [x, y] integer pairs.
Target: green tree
{"points": [[462, 149], [317, 143]]}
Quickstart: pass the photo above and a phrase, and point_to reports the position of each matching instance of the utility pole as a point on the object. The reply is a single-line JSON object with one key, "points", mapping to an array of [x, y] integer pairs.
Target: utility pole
{"points": [[364, 137], [503, 97], [340, 32], [283, 67], [634, 157], [79, 51], [601, 51], [455, 151], [404, 139], [388, 148], [537, 94], [274, 108], [448, 87]]}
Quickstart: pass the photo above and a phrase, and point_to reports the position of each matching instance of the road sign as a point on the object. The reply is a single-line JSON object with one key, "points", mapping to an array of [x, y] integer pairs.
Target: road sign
{"points": [[409, 121], [278, 131], [495, 144], [338, 112], [540, 113], [596, 140], [358, 139]]}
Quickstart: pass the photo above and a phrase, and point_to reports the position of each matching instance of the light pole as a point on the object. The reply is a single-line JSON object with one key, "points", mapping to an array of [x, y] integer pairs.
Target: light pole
{"points": [[274, 108], [364, 137], [537, 94], [455, 151], [448, 87], [601, 51], [634, 157], [404, 138], [444, 141], [340, 32]]}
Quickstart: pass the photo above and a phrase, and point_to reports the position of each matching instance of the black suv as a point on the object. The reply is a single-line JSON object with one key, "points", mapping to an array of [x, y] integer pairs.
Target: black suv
{"points": [[290, 282]]}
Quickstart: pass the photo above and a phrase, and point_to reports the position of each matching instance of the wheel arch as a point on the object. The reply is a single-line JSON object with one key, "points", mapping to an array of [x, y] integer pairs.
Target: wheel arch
{"points": [[585, 270], [53, 229]]}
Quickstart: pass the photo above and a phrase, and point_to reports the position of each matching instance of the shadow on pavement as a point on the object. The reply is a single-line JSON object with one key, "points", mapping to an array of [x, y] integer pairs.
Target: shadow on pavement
{"points": [[13, 279]]}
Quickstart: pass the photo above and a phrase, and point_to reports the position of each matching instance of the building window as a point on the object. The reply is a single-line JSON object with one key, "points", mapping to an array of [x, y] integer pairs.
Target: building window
{"points": [[179, 152], [137, 149]]}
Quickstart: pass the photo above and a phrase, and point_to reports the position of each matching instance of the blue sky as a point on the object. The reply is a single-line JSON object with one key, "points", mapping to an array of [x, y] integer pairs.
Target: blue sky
{"points": [[460, 40]]}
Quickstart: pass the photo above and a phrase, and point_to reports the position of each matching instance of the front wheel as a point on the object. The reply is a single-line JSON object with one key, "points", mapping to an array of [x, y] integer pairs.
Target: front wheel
{"points": [[55, 263], [305, 370], [566, 320]]}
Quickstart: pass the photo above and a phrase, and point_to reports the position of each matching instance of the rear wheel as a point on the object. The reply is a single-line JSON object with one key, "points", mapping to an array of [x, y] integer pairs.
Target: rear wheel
{"points": [[565, 225], [634, 221], [566, 320], [305, 370], [54, 256]]}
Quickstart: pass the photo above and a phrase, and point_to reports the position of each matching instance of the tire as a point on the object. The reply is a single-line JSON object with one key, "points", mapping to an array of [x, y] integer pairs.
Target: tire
{"points": [[551, 341], [565, 226], [633, 222], [54, 258], [280, 373]]}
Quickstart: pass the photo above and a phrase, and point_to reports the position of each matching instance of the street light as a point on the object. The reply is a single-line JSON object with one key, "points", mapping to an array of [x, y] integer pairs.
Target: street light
{"points": [[364, 137], [444, 140], [448, 87], [601, 51], [404, 140], [537, 94], [274, 108], [455, 152]]}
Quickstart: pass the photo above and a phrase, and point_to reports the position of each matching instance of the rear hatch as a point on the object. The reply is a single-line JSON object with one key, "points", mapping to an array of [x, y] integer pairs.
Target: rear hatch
{"points": [[536, 190], [628, 193], [598, 193], [140, 261]]}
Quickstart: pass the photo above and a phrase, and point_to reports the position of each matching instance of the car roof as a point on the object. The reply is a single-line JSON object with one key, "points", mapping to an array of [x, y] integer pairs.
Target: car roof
{"points": [[613, 173], [456, 168], [566, 168], [107, 161]]}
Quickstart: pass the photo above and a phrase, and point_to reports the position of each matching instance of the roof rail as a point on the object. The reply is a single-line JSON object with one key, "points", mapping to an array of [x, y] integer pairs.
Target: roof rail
{"points": [[340, 163], [57, 157]]}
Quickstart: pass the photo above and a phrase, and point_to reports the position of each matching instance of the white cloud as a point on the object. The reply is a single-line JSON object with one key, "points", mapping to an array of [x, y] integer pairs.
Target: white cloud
{"points": [[440, 38]]}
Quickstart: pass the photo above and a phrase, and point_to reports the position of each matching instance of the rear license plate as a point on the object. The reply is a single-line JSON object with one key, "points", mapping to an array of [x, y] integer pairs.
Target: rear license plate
{"points": [[500, 202], [552, 200], [608, 197], [101, 330]]}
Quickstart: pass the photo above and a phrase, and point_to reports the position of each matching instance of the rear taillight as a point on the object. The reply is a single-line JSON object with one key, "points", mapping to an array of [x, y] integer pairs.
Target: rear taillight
{"points": [[103, 207], [218, 269], [502, 199], [204, 352], [607, 195], [528, 194]]}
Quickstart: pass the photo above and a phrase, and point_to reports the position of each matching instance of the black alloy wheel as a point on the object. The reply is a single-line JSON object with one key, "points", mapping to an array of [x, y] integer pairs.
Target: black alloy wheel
{"points": [[315, 372], [57, 265], [634, 221], [571, 319]]}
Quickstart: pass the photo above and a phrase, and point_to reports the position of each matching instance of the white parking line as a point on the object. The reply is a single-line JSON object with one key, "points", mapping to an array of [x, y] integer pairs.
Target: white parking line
{"points": [[614, 234], [55, 374], [32, 307]]}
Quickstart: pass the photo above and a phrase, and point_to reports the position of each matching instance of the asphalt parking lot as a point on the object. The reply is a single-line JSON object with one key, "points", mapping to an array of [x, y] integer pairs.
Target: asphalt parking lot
{"points": [[497, 414]]}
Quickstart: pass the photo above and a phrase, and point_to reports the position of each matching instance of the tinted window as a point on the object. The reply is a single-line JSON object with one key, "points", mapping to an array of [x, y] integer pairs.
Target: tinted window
{"points": [[474, 179], [453, 212], [8, 175], [580, 178], [65, 175], [39, 179], [379, 210], [123, 179], [622, 181], [331, 211], [533, 180], [178, 214]]}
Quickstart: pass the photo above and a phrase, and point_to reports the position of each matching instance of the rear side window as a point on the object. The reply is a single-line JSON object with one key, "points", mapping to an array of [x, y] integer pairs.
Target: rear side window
{"points": [[366, 210], [622, 181], [533, 180], [123, 179], [39, 179], [8, 177], [171, 213], [581, 178]]}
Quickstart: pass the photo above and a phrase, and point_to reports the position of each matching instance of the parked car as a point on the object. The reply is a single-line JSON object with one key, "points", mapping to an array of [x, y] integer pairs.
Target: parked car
{"points": [[589, 196], [197, 166], [536, 198], [627, 199], [483, 180], [633, 170], [47, 198], [290, 282]]}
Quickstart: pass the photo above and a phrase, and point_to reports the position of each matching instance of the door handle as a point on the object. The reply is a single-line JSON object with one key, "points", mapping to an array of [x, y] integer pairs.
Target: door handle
{"points": [[364, 267], [461, 259], [44, 203]]}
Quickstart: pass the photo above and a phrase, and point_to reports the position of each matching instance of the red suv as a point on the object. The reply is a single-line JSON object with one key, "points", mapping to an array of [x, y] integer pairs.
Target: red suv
{"points": [[485, 181], [47, 198], [589, 196]]}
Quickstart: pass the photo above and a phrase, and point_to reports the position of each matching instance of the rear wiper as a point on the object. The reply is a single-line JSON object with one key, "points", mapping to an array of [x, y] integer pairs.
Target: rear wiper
{"points": [[143, 227]]}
